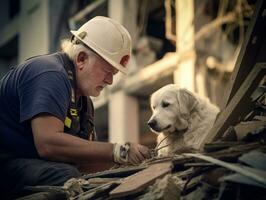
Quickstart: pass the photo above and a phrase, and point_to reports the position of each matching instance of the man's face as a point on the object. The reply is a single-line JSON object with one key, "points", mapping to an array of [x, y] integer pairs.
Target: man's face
{"points": [[94, 76]]}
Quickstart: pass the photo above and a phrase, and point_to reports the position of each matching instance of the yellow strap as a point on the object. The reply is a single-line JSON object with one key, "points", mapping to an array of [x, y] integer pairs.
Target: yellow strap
{"points": [[68, 122], [73, 112]]}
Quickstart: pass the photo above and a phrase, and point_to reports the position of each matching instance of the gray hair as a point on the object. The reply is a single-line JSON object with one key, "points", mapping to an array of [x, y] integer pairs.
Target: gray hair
{"points": [[72, 49]]}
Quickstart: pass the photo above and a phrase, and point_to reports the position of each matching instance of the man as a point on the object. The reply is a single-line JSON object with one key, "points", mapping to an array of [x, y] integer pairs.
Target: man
{"points": [[46, 115]]}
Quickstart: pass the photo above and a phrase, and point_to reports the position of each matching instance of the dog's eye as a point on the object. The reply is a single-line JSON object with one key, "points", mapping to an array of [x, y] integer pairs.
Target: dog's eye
{"points": [[165, 104]]}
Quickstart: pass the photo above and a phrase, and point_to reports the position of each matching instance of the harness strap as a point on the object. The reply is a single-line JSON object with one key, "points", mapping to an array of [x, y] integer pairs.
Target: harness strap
{"points": [[78, 122]]}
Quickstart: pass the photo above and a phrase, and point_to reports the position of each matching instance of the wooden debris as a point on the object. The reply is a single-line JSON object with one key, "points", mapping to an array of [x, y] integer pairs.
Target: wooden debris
{"points": [[139, 181], [198, 164], [229, 135], [99, 181], [259, 176], [165, 188], [228, 154], [244, 128], [118, 172], [73, 186], [260, 118], [231, 114], [250, 53], [100, 191], [215, 146], [212, 177], [235, 151]]}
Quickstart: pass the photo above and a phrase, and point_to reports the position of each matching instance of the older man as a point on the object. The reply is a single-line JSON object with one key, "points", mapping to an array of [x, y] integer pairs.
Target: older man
{"points": [[46, 115]]}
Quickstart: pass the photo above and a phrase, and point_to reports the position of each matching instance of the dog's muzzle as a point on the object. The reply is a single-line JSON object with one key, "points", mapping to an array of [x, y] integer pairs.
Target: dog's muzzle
{"points": [[153, 124]]}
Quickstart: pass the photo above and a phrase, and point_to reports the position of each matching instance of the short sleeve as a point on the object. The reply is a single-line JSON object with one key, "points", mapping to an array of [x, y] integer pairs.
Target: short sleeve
{"points": [[49, 92]]}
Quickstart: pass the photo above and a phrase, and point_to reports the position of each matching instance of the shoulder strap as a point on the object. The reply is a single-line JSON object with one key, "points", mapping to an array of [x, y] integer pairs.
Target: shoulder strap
{"points": [[87, 119], [79, 123], [72, 124]]}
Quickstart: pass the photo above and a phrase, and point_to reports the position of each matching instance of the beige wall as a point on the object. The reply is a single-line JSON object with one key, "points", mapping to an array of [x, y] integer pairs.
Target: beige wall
{"points": [[33, 28]]}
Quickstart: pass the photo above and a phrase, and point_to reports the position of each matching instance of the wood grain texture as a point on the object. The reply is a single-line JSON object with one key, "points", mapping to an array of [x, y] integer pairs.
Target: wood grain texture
{"points": [[139, 181]]}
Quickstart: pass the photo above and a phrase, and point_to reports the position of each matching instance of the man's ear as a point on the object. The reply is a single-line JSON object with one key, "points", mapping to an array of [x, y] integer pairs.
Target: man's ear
{"points": [[187, 101], [81, 59]]}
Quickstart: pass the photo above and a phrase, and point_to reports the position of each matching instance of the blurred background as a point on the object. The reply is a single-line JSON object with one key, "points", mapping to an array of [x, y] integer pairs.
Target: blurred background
{"points": [[193, 43]]}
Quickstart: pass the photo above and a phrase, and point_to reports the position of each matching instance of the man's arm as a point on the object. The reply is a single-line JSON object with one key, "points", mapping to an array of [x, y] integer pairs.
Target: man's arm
{"points": [[53, 144]]}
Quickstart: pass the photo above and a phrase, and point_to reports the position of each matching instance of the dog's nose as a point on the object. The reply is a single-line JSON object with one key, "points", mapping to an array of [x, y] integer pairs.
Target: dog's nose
{"points": [[152, 123]]}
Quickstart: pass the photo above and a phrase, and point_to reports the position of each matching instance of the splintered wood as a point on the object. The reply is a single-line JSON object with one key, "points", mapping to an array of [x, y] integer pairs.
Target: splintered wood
{"points": [[137, 182]]}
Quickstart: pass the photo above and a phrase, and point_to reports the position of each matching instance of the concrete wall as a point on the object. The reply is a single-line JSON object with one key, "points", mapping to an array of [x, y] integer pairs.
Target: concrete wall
{"points": [[33, 28]]}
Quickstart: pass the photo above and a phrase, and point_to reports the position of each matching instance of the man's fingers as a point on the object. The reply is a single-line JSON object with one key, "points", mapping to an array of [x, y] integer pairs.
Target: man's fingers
{"points": [[138, 153], [133, 159], [140, 156], [130, 153], [145, 152]]}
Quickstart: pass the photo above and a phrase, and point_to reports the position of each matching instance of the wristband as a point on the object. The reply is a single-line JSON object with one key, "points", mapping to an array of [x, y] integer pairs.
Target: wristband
{"points": [[120, 153]]}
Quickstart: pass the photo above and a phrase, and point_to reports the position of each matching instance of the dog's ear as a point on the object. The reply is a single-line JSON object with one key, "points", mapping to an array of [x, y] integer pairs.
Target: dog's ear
{"points": [[187, 101]]}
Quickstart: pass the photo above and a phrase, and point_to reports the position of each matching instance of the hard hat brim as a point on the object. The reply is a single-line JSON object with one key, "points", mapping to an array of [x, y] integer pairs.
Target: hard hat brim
{"points": [[94, 47]]}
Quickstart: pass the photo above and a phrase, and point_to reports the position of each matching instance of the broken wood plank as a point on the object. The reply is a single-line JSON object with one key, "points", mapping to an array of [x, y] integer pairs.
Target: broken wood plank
{"points": [[199, 164], [244, 128], [260, 118], [234, 152], [256, 175], [251, 51], [99, 181], [118, 172], [180, 162], [164, 188], [139, 181], [239, 106], [216, 146], [100, 191]]}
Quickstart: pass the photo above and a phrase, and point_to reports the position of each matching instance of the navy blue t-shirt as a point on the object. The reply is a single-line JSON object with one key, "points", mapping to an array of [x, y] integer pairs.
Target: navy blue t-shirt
{"points": [[40, 85]]}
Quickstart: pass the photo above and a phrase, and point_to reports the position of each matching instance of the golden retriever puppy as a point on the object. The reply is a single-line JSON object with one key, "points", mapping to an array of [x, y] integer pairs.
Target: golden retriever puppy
{"points": [[181, 119]]}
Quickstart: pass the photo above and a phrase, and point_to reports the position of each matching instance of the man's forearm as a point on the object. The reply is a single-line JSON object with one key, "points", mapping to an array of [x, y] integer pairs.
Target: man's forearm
{"points": [[67, 148], [53, 144]]}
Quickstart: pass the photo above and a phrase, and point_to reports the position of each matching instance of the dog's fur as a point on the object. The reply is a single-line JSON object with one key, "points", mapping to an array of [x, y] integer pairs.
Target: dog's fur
{"points": [[181, 116]]}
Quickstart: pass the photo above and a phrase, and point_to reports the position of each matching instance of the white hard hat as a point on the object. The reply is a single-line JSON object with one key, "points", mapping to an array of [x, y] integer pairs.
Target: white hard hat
{"points": [[108, 39]]}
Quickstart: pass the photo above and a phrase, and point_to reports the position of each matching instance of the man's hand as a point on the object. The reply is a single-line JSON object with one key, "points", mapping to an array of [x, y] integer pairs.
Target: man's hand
{"points": [[130, 153], [137, 153]]}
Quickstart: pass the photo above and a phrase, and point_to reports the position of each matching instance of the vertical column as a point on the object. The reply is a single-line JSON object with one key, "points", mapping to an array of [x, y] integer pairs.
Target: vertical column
{"points": [[126, 13], [184, 75], [34, 28], [123, 109], [123, 118]]}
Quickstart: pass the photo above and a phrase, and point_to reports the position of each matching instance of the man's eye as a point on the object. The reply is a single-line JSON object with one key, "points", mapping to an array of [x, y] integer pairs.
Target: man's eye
{"points": [[165, 104]]}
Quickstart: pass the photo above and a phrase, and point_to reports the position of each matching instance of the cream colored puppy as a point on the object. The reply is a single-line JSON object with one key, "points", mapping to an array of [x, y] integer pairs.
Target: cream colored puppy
{"points": [[181, 119]]}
